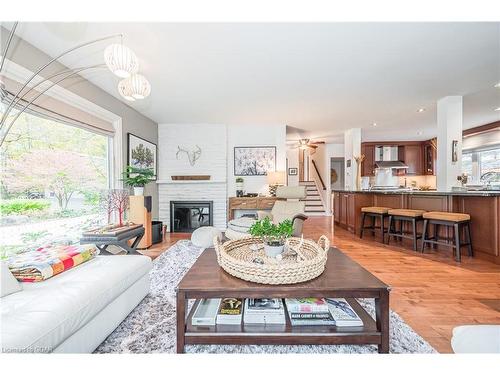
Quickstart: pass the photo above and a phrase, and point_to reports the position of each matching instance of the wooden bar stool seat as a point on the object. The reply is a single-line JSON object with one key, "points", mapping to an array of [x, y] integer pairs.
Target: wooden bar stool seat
{"points": [[374, 212], [402, 215], [459, 222]]}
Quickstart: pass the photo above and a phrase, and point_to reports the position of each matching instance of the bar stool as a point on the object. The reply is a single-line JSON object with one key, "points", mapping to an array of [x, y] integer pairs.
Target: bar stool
{"points": [[374, 213], [402, 215], [457, 221]]}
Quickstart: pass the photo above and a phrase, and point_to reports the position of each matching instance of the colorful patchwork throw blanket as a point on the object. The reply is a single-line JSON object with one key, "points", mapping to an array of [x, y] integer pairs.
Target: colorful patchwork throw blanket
{"points": [[45, 262]]}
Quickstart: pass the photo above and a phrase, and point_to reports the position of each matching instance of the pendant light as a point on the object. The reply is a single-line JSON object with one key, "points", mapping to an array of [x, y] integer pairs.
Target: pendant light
{"points": [[125, 90], [140, 86], [134, 87], [121, 60]]}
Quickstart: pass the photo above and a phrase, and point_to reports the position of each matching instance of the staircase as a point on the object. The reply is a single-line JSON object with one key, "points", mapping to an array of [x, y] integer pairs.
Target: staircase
{"points": [[314, 204]]}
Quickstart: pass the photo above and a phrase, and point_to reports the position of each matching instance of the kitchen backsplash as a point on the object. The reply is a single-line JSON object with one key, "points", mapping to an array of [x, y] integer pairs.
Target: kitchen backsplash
{"points": [[429, 181]]}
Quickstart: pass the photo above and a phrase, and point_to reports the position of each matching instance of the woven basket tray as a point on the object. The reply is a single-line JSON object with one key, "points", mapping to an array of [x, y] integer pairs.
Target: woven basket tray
{"points": [[301, 261]]}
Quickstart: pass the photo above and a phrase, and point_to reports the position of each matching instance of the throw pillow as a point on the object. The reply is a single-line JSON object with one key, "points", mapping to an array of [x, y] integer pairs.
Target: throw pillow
{"points": [[48, 261]]}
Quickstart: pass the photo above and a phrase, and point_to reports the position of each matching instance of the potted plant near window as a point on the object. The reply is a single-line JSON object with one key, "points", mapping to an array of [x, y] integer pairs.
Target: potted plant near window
{"points": [[137, 178], [273, 235]]}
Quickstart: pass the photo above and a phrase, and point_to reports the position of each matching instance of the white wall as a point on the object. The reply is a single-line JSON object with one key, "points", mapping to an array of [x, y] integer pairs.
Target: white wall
{"points": [[335, 150], [352, 147], [257, 135], [212, 139], [292, 155], [449, 121]]}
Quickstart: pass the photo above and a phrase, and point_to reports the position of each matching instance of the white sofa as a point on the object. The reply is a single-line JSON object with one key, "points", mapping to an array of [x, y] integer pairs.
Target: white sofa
{"points": [[476, 339], [76, 310]]}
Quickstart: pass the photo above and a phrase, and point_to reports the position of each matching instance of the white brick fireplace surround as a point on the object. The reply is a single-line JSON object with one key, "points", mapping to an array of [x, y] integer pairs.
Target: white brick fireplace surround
{"points": [[216, 143]]}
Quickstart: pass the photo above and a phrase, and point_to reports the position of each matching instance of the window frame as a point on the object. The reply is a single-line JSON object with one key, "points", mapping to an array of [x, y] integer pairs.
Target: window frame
{"points": [[19, 73]]}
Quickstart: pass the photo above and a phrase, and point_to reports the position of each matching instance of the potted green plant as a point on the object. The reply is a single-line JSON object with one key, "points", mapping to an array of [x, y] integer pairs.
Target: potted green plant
{"points": [[273, 235], [137, 178]]}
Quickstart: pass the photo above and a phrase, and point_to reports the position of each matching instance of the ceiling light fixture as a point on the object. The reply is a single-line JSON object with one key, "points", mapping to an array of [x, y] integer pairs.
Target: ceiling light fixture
{"points": [[374, 124], [125, 90], [121, 60], [497, 85], [420, 132], [134, 87], [420, 110], [141, 88], [497, 109]]}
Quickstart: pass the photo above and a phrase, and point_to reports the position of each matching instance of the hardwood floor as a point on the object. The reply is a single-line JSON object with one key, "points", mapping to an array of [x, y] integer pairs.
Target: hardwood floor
{"points": [[430, 291]]}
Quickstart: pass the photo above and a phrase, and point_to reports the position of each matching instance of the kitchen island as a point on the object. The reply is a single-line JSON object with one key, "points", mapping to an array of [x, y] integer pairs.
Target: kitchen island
{"points": [[482, 206]]}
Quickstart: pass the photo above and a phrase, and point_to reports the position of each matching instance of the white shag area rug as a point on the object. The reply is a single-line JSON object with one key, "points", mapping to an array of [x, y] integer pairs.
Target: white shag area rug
{"points": [[151, 326]]}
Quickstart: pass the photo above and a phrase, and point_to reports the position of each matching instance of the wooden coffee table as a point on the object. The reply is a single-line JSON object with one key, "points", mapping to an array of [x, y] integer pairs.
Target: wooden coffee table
{"points": [[342, 278]]}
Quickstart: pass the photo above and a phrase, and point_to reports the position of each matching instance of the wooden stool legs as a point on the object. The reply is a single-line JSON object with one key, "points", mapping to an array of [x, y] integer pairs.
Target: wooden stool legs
{"points": [[372, 228], [392, 232], [456, 243]]}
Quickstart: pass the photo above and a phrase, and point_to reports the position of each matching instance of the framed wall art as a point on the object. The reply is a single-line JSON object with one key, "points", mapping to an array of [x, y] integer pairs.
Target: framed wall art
{"points": [[254, 160], [141, 153]]}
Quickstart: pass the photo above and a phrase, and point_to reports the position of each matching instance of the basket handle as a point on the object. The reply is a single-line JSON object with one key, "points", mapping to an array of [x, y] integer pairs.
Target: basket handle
{"points": [[217, 244], [324, 243]]}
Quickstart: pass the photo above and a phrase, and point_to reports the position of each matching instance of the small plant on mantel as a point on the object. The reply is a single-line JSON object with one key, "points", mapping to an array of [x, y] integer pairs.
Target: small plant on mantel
{"points": [[137, 178], [273, 235]]}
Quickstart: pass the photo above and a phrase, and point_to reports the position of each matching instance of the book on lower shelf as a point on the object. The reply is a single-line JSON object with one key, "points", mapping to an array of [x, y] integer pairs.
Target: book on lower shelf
{"points": [[325, 319], [343, 313], [306, 305], [230, 311], [206, 312], [264, 311]]}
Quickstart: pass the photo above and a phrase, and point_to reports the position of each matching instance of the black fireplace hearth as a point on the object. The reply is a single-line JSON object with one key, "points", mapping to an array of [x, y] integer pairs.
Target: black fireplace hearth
{"points": [[186, 216]]}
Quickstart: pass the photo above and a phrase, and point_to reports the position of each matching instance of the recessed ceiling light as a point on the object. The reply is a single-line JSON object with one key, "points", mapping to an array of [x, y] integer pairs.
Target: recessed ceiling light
{"points": [[497, 109], [420, 110], [420, 132], [374, 124], [497, 85]]}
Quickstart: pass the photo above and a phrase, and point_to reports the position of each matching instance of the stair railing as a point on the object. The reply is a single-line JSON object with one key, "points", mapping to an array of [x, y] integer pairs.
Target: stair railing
{"points": [[319, 175]]}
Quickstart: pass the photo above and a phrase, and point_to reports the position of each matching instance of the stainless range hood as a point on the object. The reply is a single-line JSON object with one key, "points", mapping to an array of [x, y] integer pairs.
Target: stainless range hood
{"points": [[396, 164], [387, 157]]}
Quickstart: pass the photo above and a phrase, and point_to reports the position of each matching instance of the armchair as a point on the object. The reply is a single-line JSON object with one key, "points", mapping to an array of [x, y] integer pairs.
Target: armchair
{"points": [[292, 208]]}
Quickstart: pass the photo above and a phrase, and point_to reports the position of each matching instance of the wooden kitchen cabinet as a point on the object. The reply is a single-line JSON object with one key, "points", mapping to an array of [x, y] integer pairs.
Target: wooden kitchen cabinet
{"points": [[336, 207], [413, 159], [368, 165], [429, 153]]}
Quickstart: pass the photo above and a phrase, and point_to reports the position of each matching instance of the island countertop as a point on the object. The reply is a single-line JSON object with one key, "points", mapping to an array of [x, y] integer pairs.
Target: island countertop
{"points": [[474, 193], [483, 207]]}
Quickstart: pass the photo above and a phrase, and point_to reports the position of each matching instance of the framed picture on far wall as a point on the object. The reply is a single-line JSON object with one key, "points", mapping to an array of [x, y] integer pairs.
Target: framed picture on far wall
{"points": [[254, 160], [141, 153], [293, 171]]}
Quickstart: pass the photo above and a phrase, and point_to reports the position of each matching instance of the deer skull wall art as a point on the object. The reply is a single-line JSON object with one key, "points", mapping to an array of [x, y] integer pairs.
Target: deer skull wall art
{"points": [[192, 155]]}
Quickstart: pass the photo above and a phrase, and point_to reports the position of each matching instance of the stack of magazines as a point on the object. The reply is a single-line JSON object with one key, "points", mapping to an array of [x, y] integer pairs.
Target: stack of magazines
{"points": [[264, 311], [308, 311], [321, 312]]}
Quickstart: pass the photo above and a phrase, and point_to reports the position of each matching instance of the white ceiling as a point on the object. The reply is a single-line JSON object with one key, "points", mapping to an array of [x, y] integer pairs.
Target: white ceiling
{"points": [[318, 78]]}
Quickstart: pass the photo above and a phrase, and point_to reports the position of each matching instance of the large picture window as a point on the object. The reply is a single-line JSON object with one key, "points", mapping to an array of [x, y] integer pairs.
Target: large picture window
{"points": [[483, 166], [52, 175]]}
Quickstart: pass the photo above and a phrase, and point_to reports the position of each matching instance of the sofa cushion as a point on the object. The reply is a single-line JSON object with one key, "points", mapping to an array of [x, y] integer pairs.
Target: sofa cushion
{"points": [[8, 283], [44, 314]]}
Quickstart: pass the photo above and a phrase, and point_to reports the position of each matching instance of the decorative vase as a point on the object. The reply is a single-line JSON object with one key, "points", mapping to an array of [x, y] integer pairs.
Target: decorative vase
{"points": [[239, 189], [273, 251], [359, 160], [138, 190]]}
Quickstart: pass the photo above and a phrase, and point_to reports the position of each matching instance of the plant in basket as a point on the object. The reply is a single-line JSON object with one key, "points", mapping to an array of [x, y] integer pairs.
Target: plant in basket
{"points": [[273, 235]]}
